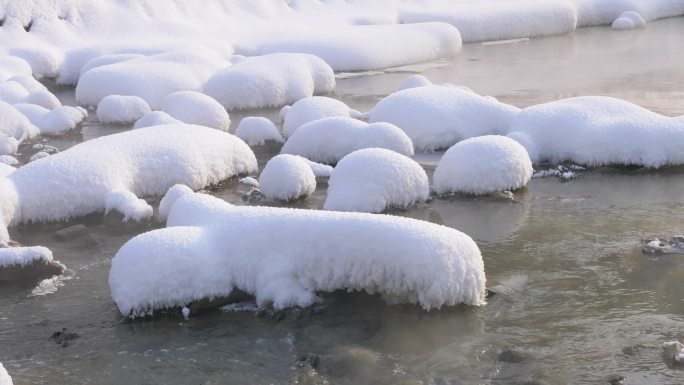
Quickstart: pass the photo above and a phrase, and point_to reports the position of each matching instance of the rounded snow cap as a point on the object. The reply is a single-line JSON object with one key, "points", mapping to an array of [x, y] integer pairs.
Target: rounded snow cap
{"points": [[171, 197]]}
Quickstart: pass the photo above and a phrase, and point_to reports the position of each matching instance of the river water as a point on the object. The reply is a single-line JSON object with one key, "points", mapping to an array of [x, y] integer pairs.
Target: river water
{"points": [[577, 302]]}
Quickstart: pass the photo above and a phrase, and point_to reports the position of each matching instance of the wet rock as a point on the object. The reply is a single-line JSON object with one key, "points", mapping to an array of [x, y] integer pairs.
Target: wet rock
{"points": [[64, 337], [633, 350], [531, 382], [489, 293], [514, 356], [72, 232], [309, 359], [207, 304], [617, 379], [31, 272], [657, 247], [360, 362], [673, 353]]}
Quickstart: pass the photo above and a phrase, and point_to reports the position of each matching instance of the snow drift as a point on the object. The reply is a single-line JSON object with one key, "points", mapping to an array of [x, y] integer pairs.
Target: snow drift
{"points": [[374, 179], [287, 177], [285, 256]]}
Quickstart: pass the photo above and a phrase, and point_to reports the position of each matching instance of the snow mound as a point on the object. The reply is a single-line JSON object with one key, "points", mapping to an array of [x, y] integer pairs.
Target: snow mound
{"points": [[498, 20], [313, 108], [483, 165], [367, 47], [155, 118], [629, 20], [14, 92], [29, 83], [7, 159], [121, 109], [270, 81], [328, 140], [597, 131], [110, 172], [414, 81], [436, 117], [8, 145], [286, 178], [104, 60], [374, 179], [13, 123], [59, 121], [13, 66], [196, 108], [6, 169], [44, 61], [23, 256], [151, 78], [285, 256], [5, 378], [257, 130]]}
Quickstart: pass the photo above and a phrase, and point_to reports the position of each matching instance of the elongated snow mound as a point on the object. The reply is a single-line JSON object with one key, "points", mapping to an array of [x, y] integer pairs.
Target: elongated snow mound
{"points": [[483, 165], [287, 177], [57, 121], [367, 47], [257, 130], [151, 78], [23, 256], [111, 172], [374, 179], [437, 117], [197, 108], [270, 81], [121, 109], [328, 140], [285, 256], [598, 130], [313, 108], [5, 378]]}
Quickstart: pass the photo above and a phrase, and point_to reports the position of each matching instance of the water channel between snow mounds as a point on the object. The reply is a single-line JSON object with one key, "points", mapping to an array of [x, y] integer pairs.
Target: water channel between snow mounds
{"points": [[578, 302]]}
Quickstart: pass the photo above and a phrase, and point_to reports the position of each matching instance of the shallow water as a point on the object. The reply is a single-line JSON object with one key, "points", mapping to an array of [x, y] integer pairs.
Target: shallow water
{"points": [[576, 296]]}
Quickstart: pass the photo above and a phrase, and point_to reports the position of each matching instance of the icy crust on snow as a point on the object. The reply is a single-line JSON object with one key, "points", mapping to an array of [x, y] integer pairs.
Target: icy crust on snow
{"points": [[5, 378], [151, 78], [287, 177], [257, 130], [23, 256], [313, 108], [57, 121], [328, 140], [121, 109], [111, 172], [374, 179], [270, 81], [598, 130], [366, 47], [483, 165], [285, 256], [436, 117], [196, 108]]}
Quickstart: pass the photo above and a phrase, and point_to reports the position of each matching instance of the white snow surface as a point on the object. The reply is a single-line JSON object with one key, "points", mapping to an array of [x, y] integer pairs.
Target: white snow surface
{"points": [[436, 117], [270, 81], [375, 179], [6, 169], [5, 378], [257, 130], [313, 108], [57, 121], [111, 172], [598, 130], [8, 145], [121, 109], [8, 159], [103, 60], [23, 256], [483, 165], [196, 108], [155, 118], [13, 123], [414, 81], [285, 256], [328, 140], [287, 177]]}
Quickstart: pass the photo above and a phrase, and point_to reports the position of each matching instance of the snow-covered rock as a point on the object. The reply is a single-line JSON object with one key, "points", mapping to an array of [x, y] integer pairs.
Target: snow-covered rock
{"points": [[13, 123], [270, 81], [5, 378], [113, 171], [104, 60], [8, 145], [287, 177], [13, 91], [196, 108], [121, 109], [285, 256], [328, 140], [58, 121], [598, 130], [155, 118], [366, 47], [629, 20], [44, 60], [28, 82], [414, 81], [436, 117], [374, 179], [8, 159], [6, 169], [483, 165], [23, 256], [313, 108], [151, 78], [257, 130]]}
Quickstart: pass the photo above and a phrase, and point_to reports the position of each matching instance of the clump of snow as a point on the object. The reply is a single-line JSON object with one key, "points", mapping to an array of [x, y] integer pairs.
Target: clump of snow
{"points": [[39, 155], [43, 98], [436, 117], [414, 81], [367, 47], [121, 109], [155, 118], [249, 181], [287, 177], [319, 169], [28, 82], [151, 78], [12, 92], [5, 378], [257, 130], [13, 123], [285, 256], [44, 61], [103, 60], [374, 179], [270, 81], [19, 90], [313, 108], [562, 172], [98, 174], [13, 66], [8, 145], [328, 140], [58, 121], [8, 159], [598, 130], [196, 108], [623, 23], [629, 20], [186, 313], [23, 256], [483, 165], [6, 169]]}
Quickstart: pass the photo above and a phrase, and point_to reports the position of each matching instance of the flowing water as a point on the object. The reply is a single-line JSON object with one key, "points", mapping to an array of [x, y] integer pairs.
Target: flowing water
{"points": [[577, 302]]}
